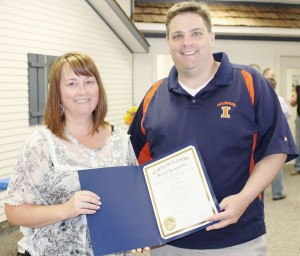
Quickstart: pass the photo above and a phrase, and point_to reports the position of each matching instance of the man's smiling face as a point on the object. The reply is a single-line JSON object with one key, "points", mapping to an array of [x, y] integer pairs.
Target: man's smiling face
{"points": [[190, 43]]}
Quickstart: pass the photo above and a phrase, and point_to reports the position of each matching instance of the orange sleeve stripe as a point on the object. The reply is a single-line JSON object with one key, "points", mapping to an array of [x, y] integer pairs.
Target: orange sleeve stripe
{"points": [[147, 99], [252, 162], [144, 155], [249, 84], [250, 87]]}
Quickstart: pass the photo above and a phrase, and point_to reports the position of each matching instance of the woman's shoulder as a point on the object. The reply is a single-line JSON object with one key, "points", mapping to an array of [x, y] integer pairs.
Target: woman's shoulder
{"points": [[36, 136], [35, 142], [39, 137], [119, 131], [119, 134]]}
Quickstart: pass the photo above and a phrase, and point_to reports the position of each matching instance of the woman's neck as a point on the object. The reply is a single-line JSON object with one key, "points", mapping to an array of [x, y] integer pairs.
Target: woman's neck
{"points": [[77, 127]]}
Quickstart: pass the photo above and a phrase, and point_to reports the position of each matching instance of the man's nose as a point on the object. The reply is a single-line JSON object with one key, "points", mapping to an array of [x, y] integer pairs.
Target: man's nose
{"points": [[187, 40]]}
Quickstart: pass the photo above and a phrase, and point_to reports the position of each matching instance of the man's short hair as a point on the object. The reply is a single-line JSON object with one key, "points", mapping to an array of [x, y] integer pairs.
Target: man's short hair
{"points": [[199, 8]]}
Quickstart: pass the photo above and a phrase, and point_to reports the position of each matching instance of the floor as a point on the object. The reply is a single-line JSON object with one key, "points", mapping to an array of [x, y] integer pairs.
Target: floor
{"points": [[282, 219]]}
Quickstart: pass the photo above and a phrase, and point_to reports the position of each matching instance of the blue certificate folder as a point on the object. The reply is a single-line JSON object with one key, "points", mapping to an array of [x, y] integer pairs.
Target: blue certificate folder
{"points": [[126, 219]]}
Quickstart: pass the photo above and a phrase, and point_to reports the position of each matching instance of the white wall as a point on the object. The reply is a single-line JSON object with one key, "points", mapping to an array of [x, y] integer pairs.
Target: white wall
{"points": [[53, 27], [147, 67]]}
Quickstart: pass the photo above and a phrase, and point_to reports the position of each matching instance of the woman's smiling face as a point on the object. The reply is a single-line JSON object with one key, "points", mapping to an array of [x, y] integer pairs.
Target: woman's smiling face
{"points": [[79, 94]]}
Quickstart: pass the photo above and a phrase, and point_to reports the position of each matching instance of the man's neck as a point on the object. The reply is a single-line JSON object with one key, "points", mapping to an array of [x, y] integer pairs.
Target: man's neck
{"points": [[199, 77]]}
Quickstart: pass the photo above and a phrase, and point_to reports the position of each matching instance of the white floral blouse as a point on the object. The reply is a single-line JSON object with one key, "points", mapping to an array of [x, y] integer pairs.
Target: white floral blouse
{"points": [[46, 174]]}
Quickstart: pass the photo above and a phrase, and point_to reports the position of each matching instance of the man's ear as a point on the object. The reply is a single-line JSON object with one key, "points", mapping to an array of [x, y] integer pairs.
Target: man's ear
{"points": [[212, 36], [167, 41]]}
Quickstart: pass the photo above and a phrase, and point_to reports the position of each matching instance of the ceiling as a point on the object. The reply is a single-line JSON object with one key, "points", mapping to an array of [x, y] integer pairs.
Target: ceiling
{"points": [[252, 19], [120, 23]]}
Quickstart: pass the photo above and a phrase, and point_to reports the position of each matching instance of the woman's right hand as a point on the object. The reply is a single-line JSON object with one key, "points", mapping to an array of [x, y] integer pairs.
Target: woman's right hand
{"points": [[82, 202], [140, 250]]}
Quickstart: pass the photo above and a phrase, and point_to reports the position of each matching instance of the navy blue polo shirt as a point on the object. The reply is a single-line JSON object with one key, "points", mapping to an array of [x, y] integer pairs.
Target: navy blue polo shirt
{"points": [[228, 120]]}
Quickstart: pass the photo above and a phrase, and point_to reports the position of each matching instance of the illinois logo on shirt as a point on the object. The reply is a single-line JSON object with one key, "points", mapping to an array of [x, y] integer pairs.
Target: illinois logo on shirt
{"points": [[225, 107]]}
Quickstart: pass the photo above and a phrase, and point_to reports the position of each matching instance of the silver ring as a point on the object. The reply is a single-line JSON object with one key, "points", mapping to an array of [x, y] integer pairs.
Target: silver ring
{"points": [[83, 205]]}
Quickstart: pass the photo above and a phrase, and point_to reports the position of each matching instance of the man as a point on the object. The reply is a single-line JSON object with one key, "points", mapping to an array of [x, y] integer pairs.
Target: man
{"points": [[269, 73], [228, 109]]}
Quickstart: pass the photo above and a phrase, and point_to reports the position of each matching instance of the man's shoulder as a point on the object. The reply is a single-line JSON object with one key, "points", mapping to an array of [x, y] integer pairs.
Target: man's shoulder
{"points": [[153, 89]]}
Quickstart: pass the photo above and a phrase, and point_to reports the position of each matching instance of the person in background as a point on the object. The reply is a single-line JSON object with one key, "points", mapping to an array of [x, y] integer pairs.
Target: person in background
{"points": [[44, 196], [256, 67], [295, 101], [277, 184], [221, 106], [269, 73]]}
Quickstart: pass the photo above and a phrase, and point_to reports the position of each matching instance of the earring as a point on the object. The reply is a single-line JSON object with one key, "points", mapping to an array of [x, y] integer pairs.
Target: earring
{"points": [[62, 109]]}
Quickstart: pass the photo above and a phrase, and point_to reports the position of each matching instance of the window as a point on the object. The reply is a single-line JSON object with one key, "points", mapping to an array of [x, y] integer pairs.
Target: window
{"points": [[38, 71]]}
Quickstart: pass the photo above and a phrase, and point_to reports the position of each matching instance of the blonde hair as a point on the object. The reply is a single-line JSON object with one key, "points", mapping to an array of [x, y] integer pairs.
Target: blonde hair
{"points": [[272, 81]]}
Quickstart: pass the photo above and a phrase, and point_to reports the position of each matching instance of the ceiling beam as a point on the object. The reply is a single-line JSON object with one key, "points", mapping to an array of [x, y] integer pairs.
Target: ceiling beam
{"points": [[120, 24]]}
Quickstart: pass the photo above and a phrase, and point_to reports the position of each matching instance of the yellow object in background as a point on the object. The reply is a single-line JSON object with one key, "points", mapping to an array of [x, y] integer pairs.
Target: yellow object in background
{"points": [[130, 115]]}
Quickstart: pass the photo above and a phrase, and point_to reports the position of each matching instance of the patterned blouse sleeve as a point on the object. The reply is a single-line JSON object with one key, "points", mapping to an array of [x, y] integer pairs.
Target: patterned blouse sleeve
{"points": [[32, 162], [131, 155]]}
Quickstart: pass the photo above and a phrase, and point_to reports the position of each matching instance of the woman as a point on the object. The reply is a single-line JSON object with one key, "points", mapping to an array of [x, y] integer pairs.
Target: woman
{"points": [[44, 196]]}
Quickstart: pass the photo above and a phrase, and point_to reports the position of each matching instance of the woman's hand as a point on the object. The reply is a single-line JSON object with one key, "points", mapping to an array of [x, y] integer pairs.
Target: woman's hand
{"points": [[82, 202], [140, 250]]}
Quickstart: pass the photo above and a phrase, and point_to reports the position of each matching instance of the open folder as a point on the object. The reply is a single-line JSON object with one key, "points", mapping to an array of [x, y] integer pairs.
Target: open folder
{"points": [[165, 199]]}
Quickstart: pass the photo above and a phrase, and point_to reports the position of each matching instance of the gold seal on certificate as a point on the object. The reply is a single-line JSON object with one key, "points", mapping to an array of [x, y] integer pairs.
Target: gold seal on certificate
{"points": [[170, 223]]}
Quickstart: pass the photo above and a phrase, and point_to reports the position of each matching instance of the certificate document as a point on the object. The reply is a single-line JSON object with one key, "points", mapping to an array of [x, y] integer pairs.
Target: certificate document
{"points": [[149, 205], [179, 192]]}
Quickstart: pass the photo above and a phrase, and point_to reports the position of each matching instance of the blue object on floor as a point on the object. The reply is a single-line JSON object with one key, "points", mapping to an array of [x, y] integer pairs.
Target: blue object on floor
{"points": [[4, 183]]}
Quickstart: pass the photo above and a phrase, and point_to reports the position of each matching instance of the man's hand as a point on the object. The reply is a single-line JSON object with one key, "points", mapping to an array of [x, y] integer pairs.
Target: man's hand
{"points": [[232, 208]]}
